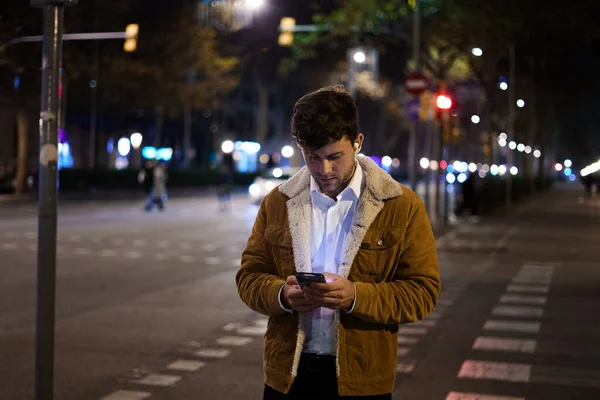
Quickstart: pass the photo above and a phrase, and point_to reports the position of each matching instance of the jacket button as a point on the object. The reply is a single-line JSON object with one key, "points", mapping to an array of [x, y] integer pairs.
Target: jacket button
{"points": [[380, 242]]}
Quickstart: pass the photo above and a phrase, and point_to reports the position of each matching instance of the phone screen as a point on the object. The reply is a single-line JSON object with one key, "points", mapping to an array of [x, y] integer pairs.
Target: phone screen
{"points": [[306, 278]]}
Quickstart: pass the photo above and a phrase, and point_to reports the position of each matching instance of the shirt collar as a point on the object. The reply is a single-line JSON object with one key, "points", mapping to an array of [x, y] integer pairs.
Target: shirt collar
{"points": [[354, 186]]}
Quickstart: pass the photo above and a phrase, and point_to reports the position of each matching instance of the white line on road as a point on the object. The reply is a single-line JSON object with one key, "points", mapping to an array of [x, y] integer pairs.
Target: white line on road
{"points": [[209, 247], [31, 235], [403, 351], [412, 330], [212, 353], [133, 254], [511, 326], [234, 340], [527, 289], [82, 251], [212, 260], [519, 299], [503, 344], [9, 246], [405, 366], [96, 239], [425, 322], [531, 281], [186, 259], [407, 340], [477, 396], [139, 243], [261, 322], [186, 365], [162, 244], [504, 239], [185, 246], [75, 238], [510, 372], [161, 256], [252, 330], [518, 311], [108, 253], [127, 395], [236, 249], [159, 380]]}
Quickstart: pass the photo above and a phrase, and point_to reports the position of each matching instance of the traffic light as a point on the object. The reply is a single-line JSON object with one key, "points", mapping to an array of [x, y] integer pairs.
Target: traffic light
{"points": [[286, 26], [443, 102], [131, 37]]}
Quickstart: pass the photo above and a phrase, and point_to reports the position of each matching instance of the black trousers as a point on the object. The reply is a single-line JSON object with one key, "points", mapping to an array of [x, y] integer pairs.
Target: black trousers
{"points": [[316, 380]]}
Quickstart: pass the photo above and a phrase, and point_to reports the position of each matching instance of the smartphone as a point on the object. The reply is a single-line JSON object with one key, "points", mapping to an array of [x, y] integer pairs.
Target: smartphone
{"points": [[306, 278]]}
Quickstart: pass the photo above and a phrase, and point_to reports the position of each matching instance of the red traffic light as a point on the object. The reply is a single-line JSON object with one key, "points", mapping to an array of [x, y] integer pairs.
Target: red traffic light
{"points": [[443, 102]]}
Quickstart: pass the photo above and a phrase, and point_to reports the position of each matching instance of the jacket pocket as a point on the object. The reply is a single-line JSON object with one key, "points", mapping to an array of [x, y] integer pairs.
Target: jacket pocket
{"points": [[280, 242], [377, 254]]}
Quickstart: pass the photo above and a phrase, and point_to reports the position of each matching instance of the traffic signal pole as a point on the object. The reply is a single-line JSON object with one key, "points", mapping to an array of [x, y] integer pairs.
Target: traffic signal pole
{"points": [[46, 260], [412, 164]]}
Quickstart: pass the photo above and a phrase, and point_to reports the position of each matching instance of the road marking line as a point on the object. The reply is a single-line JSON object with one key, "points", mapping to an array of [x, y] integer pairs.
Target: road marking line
{"points": [[261, 322], [518, 311], [96, 239], [433, 316], [159, 380], [186, 365], [80, 251], [212, 353], [212, 260], [504, 239], [30, 235], [503, 344], [518, 299], [234, 340], [236, 262], [9, 246], [75, 238], [425, 322], [127, 395], [407, 340], [185, 246], [477, 396], [510, 372], [535, 274], [530, 281], [209, 247], [412, 330], [139, 243], [108, 253], [161, 256], [162, 244], [252, 330], [527, 289], [186, 259], [406, 366], [133, 254], [232, 326], [236, 249], [403, 351], [511, 326]]}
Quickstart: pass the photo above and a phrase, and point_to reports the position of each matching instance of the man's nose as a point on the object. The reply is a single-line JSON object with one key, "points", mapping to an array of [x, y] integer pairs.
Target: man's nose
{"points": [[325, 168]]}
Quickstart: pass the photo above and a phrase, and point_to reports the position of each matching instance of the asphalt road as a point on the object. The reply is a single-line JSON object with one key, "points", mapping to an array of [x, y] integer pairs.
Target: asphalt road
{"points": [[147, 306]]}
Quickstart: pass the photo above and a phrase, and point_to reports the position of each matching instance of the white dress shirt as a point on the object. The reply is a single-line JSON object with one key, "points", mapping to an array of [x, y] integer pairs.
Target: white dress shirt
{"points": [[331, 223]]}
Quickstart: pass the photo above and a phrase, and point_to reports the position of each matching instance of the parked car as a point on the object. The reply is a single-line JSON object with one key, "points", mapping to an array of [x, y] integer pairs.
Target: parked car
{"points": [[268, 181]]}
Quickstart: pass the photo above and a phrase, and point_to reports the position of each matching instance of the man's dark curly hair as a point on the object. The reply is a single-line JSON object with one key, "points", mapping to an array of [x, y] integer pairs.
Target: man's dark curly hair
{"points": [[323, 117]]}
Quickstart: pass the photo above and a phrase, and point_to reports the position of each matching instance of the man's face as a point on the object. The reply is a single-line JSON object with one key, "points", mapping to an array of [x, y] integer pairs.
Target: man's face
{"points": [[332, 165]]}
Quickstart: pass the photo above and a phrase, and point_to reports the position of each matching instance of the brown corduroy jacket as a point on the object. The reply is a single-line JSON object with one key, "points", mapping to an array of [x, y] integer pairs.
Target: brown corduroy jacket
{"points": [[390, 256]]}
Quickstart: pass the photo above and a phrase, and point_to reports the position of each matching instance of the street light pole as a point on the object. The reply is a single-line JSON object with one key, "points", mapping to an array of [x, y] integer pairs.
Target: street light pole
{"points": [[511, 120], [412, 140], [46, 260]]}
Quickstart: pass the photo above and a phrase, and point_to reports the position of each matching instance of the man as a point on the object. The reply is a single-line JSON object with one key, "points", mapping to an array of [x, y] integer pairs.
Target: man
{"points": [[343, 216]]}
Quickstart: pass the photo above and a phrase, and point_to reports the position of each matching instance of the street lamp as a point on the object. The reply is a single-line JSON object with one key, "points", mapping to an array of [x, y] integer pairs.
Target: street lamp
{"points": [[124, 147], [287, 151], [477, 52], [424, 163], [537, 154], [503, 86], [520, 103], [568, 163], [475, 119], [227, 146], [360, 57], [136, 140], [512, 145]]}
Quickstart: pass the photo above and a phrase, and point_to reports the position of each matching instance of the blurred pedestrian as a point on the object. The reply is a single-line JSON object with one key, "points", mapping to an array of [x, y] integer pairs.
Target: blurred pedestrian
{"points": [[158, 193], [469, 200], [225, 188], [345, 218]]}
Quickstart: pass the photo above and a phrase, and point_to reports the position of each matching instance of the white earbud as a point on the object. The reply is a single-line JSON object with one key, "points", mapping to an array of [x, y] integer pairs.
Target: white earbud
{"points": [[355, 147]]}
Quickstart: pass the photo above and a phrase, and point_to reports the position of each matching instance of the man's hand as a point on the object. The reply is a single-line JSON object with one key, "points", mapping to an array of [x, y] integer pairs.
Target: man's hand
{"points": [[337, 294], [293, 297]]}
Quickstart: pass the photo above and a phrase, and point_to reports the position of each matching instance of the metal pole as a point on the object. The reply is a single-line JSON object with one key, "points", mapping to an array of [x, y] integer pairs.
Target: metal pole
{"points": [[412, 141], [46, 260], [511, 121], [94, 106]]}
